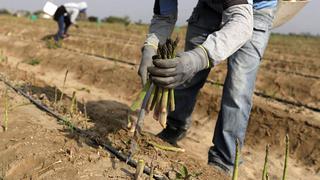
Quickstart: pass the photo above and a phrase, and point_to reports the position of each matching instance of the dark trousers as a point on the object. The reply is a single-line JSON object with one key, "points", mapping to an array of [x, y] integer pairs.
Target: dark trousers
{"points": [[63, 26]]}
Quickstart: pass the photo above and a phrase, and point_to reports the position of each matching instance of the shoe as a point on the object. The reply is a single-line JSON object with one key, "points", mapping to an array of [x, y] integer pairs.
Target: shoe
{"points": [[172, 135], [220, 166], [65, 36]]}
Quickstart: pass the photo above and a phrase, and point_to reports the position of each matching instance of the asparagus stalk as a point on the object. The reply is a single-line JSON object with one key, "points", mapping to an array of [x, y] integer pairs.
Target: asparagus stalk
{"points": [[151, 173], [166, 148], [265, 167], [284, 177], [151, 99], [73, 103], [6, 109], [164, 104], [139, 170], [172, 100], [138, 102], [173, 55], [143, 110], [158, 104], [55, 97], [154, 100], [236, 162], [64, 84]]}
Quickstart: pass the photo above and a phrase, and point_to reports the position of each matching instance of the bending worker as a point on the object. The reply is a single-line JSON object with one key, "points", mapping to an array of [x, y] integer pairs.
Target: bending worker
{"points": [[66, 15], [237, 30]]}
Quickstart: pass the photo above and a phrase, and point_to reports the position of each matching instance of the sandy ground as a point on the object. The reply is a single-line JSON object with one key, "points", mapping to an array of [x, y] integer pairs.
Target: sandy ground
{"points": [[109, 87]]}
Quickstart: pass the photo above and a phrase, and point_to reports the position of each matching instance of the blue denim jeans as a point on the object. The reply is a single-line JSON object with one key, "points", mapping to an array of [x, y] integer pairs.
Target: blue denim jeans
{"points": [[237, 92], [61, 28]]}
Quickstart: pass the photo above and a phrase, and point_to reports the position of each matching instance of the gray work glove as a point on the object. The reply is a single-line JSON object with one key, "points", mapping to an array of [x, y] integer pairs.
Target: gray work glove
{"points": [[170, 73], [146, 61]]}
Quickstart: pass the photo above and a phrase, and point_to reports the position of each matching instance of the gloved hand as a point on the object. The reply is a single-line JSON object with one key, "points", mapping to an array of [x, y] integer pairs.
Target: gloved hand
{"points": [[146, 61], [170, 73]]}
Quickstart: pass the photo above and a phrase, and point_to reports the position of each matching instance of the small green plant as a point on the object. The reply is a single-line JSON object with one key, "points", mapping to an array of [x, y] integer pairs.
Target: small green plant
{"points": [[184, 174], [52, 44], [33, 61], [69, 124], [3, 57], [274, 94]]}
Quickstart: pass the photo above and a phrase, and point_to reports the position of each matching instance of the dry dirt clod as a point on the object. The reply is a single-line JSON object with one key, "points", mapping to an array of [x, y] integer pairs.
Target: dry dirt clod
{"points": [[94, 157], [171, 175]]}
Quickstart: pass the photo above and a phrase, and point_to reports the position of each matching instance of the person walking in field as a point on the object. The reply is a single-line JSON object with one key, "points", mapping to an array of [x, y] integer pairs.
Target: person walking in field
{"points": [[236, 30], [66, 15]]}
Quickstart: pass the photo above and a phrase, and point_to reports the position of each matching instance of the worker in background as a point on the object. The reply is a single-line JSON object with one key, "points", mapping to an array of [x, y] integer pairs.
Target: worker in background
{"points": [[236, 30], [66, 15]]}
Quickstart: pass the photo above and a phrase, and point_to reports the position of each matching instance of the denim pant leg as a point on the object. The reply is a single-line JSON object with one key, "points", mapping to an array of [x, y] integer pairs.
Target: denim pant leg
{"points": [[68, 23], [61, 26], [185, 95], [238, 91]]}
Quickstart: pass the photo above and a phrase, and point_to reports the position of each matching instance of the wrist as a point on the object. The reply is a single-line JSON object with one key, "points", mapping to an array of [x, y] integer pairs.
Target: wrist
{"points": [[202, 52], [152, 40], [199, 59], [149, 48]]}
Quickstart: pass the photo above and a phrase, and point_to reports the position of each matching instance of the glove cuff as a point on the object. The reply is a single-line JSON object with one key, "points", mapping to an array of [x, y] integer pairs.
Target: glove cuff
{"points": [[199, 58], [149, 48], [152, 40], [204, 55]]}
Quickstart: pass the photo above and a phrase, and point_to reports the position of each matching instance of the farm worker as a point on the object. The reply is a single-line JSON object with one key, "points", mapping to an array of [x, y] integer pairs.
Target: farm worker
{"points": [[237, 30], [66, 15]]}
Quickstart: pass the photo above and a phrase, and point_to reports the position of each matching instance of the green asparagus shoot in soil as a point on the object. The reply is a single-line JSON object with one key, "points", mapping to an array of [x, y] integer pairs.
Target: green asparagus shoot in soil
{"points": [[6, 109], [236, 161], [265, 167], [284, 177], [55, 97], [85, 109], [73, 104], [139, 170], [33, 61], [184, 174], [52, 44], [64, 84]]}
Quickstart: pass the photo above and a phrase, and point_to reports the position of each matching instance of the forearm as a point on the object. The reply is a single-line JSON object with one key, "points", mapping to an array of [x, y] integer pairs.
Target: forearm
{"points": [[74, 16], [236, 29], [161, 28], [163, 21]]}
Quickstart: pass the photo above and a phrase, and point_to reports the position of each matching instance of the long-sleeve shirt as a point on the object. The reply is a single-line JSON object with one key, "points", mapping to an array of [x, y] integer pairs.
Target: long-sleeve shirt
{"points": [[73, 10], [236, 17]]}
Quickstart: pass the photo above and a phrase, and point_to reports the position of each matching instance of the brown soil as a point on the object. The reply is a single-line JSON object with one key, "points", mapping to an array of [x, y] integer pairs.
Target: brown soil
{"points": [[109, 87]]}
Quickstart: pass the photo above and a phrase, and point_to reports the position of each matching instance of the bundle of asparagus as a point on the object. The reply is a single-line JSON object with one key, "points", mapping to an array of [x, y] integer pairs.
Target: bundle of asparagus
{"points": [[153, 97]]}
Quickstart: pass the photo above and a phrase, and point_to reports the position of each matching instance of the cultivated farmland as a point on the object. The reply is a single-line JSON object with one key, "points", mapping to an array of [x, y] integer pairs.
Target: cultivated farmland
{"points": [[101, 83]]}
